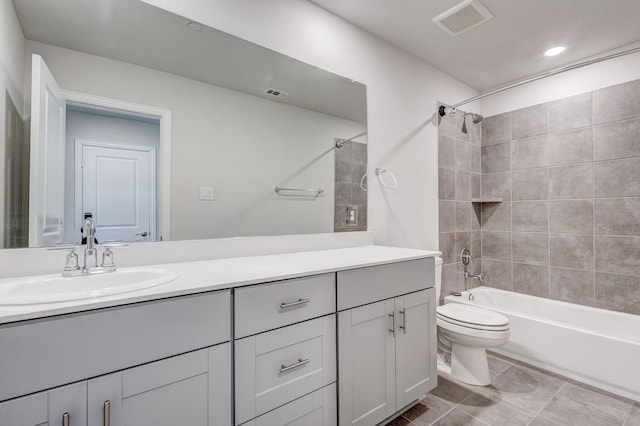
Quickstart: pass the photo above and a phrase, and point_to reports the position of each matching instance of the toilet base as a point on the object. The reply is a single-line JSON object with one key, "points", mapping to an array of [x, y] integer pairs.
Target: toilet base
{"points": [[469, 365]]}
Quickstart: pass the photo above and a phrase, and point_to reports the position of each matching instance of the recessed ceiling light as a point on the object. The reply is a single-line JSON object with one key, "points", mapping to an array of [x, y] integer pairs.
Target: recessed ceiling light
{"points": [[195, 26], [554, 51]]}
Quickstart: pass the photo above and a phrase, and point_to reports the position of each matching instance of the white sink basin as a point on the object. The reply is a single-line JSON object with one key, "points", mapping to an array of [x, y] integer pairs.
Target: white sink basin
{"points": [[55, 288]]}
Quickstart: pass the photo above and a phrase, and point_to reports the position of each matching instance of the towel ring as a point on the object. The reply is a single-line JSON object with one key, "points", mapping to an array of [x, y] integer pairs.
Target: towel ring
{"points": [[380, 172]]}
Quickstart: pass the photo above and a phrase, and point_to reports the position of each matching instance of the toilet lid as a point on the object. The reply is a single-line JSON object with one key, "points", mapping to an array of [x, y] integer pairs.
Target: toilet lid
{"points": [[472, 316]]}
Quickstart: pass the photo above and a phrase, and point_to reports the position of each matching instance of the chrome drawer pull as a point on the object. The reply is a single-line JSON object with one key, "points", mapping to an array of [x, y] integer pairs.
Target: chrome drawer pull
{"points": [[106, 413], [301, 363], [285, 305], [393, 323], [65, 419], [404, 321]]}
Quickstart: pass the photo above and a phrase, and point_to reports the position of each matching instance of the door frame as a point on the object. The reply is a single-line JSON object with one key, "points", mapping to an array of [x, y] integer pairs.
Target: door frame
{"points": [[163, 182], [79, 144]]}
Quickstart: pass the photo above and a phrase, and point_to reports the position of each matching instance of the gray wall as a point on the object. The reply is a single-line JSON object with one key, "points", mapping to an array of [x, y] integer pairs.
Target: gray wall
{"points": [[569, 173], [459, 183]]}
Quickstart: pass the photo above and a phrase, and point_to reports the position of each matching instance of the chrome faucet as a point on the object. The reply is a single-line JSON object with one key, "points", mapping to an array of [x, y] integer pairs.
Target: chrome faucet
{"points": [[90, 265], [90, 252], [468, 274]]}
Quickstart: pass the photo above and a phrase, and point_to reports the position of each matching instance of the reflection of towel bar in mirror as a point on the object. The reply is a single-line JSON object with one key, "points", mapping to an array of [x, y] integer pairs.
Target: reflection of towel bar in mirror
{"points": [[315, 192]]}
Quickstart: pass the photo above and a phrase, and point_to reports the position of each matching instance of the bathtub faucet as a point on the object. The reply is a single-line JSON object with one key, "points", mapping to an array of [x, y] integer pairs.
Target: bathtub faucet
{"points": [[468, 274]]}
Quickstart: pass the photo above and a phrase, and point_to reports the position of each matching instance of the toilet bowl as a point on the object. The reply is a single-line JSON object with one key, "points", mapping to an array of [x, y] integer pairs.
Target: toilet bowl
{"points": [[466, 332]]}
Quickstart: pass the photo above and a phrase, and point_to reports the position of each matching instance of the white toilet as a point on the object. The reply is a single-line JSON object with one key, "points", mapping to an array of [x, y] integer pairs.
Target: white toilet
{"points": [[467, 331]]}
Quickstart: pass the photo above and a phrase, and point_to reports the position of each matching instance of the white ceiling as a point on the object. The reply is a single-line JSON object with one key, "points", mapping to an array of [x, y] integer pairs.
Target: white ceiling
{"points": [[508, 47]]}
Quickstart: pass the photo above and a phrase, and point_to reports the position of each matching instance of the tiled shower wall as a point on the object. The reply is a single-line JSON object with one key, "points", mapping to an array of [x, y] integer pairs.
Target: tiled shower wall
{"points": [[569, 174], [459, 182], [351, 165]]}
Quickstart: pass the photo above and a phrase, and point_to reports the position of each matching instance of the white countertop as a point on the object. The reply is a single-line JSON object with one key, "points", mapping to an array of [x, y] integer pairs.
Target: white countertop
{"points": [[220, 274]]}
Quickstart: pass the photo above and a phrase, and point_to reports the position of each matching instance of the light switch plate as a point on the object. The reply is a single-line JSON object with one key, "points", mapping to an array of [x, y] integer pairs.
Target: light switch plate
{"points": [[206, 193]]}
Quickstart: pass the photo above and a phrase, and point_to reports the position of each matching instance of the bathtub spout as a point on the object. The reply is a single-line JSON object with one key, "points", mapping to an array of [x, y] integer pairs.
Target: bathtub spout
{"points": [[473, 276]]}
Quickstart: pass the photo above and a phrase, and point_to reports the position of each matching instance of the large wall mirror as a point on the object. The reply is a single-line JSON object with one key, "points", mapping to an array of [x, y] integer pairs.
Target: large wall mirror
{"points": [[161, 128]]}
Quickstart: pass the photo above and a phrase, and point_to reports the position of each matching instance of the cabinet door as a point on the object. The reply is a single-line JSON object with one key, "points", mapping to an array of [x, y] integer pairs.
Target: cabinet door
{"points": [[415, 346], [366, 362], [68, 401], [28, 411], [104, 401], [170, 392]]}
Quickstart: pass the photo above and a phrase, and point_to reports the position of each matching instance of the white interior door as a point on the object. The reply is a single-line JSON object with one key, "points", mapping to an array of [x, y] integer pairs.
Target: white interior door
{"points": [[117, 186], [46, 180]]}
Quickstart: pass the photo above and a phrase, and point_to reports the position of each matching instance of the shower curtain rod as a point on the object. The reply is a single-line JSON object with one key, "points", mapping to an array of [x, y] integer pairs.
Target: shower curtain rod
{"points": [[547, 74]]}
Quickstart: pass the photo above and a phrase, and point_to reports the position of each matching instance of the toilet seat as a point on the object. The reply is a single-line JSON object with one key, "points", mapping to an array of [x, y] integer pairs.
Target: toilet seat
{"points": [[472, 317]]}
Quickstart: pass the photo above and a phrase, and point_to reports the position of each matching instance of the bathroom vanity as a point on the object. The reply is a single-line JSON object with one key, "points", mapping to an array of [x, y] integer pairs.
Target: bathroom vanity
{"points": [[261, 340]]}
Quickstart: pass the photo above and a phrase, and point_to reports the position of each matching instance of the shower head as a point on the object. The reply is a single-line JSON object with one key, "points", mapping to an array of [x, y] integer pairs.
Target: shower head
{"points": [[475, 118]]}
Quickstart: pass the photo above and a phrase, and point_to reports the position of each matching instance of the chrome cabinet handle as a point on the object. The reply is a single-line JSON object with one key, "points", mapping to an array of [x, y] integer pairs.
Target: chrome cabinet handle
{"points": [[404, 321], [65, 419], [143, 233], [393, 323], [285, 305], [301, 363], [106, 413]]}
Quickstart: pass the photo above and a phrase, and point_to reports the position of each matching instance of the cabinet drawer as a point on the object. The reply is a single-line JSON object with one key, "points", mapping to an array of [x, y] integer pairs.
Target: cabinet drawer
{"points": [[317, 408], [367, 285], [279, 366], [267, 306], [74, 347]]}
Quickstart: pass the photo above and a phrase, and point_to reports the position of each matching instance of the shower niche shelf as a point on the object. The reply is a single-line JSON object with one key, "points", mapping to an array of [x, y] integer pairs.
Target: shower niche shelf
{"points": [[486, 200]]}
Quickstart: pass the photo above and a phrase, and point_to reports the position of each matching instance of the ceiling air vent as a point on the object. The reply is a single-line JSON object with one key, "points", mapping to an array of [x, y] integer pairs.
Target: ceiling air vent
{"points": [[276, 93], [463, 17]]}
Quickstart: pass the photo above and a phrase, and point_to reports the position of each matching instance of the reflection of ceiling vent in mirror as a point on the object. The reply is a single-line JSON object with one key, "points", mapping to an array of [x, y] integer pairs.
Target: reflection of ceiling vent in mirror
{"points": [[276, 93], [462, 17]]}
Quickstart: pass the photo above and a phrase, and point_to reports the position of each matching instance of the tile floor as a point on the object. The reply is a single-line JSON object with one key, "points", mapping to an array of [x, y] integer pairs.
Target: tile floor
{"points": [[520, 395]]}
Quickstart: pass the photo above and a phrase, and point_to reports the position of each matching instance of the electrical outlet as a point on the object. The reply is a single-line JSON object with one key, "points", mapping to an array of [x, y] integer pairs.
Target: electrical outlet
{"points": [[206, 193], [352, 215]]}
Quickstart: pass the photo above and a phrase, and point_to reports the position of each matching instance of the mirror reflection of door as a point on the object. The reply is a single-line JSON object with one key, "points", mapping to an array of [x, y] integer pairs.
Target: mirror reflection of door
{"points": [[116, 185]]}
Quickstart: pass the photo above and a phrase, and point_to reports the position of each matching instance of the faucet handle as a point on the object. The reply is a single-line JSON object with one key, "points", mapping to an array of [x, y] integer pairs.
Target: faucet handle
{"points": [[113, 243]]}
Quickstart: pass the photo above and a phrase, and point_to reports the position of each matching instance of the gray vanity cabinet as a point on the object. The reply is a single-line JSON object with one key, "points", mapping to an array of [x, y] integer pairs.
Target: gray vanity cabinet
{"points": [[164, 362], [387, 347]]}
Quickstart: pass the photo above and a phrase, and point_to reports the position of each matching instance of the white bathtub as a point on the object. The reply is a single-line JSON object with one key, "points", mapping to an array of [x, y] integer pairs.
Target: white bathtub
{"points": [[591, 345]]}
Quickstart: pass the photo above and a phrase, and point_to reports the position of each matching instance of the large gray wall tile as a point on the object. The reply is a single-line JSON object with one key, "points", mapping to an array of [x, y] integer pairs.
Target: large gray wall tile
{"points": [[617, 178], [447, 184], [530, 184], [463, 156], [571, 250], [530, 121], [448, 247], [619, 292], [476, 216], [617, 216], [530, 153], [496, 129], [496, 158], [530, 216], [496, 245], [476, 185], [358, 196], [531, 279], [530, 247], [463, 216], [476, 245], [447, 216], [570, 113], [446, 152], [358, 152], [574, 146], [449, 280], [571, 181], [496, 216], [475, 132], [463, 186], [616, 140], [476, 162], [343, 193], [497, 185], [497, 274], [617, 254], [617, 102], [575, 216], [571, 285]]}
